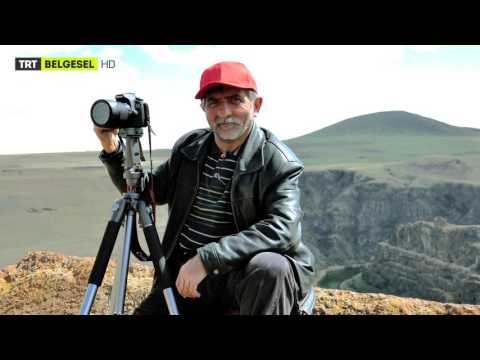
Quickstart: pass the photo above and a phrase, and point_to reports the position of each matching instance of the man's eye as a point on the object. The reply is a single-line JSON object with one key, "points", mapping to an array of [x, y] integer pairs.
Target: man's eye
{"points": [[237, 99]]}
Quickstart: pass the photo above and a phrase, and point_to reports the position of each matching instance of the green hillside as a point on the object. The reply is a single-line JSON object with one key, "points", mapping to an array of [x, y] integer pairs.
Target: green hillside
{"points": [[388, 123], [385, 137]]}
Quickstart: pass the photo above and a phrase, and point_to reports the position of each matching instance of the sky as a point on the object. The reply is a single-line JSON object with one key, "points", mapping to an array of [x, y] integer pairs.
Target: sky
{"points": [[305, 88]]}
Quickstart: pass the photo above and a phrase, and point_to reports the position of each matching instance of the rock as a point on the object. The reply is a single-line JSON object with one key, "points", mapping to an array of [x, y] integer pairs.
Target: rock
{"points": [[440, 221], [350, 216], [431, 259], [50, 283], [342, 302]]}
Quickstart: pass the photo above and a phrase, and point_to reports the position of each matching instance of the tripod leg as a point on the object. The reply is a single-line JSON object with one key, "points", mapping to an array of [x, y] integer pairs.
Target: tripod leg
{"points": [[156, 253], [120, 287], [103, 255]]}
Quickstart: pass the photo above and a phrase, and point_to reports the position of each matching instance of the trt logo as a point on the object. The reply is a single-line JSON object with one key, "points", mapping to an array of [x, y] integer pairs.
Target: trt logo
{"points": [[28, 63]]}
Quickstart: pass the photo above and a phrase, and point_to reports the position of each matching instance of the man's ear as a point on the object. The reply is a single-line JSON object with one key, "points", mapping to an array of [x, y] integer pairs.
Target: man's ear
{"points": [[258, 104]]}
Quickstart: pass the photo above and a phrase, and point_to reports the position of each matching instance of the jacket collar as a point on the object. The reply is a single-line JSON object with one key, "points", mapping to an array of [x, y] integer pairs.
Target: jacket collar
{"points": [[251, 157]]}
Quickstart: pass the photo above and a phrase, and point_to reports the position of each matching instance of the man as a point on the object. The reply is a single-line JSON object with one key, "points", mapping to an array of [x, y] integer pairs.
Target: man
{"points": [[233, 238]]}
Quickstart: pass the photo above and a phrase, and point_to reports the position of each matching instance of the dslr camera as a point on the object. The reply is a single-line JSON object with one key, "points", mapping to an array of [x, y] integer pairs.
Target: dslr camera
{"points": [[126, 111]]}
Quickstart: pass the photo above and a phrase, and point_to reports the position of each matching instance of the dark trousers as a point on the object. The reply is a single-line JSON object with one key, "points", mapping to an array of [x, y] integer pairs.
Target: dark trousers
{"points": [[265, 286]]}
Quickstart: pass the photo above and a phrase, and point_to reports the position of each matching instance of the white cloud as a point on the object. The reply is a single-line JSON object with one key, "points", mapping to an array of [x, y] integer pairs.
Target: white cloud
{"points": [[305, 88], [424, 48], [197, 57], [302, 85], [115, 53], [87, 53]]}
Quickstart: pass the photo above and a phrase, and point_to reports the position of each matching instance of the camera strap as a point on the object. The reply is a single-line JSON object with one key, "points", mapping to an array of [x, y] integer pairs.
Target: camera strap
{"points": [[150, 185], [135, 245]]}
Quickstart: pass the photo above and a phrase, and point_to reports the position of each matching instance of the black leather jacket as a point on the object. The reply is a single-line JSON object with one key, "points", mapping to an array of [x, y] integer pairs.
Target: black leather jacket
{"points": [[265, 200]]}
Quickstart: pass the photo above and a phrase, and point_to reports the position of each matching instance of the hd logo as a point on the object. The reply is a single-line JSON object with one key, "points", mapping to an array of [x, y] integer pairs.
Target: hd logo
{"points": [[62, 64]]}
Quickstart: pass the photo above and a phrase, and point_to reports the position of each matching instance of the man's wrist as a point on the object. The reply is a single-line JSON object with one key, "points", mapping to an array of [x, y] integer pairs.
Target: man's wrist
{"points": [[110, 149], [208, 259], [202, 265]]}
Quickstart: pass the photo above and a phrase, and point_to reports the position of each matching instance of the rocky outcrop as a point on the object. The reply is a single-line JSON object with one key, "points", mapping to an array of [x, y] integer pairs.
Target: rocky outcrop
{"points": [[435, 260], [50, 283], [351, 219], [342, 302]]}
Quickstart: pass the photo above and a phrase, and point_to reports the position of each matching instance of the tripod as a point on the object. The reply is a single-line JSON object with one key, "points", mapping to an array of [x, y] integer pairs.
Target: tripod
{"points": [[127, 207]]}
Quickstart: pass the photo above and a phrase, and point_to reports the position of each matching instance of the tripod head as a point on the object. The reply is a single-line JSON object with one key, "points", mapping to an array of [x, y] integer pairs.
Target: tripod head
{"points": [[137, 180], [133, 156], [130, 114]]}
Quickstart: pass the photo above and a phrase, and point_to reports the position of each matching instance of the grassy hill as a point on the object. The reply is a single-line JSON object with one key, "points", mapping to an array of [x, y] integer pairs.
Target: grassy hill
{"points": [[408, 143], [389, 123]]}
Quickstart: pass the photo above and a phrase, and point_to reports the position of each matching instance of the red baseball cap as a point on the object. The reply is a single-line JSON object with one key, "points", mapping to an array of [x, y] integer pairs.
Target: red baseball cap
{"points": [[226, 73]]}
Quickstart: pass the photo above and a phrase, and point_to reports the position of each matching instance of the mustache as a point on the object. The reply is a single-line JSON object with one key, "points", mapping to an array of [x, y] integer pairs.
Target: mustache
{"points": [[228, 120]]}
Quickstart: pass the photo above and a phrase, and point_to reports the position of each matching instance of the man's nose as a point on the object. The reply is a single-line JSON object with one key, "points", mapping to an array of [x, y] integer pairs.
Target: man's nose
{"points": [[224, 109]]}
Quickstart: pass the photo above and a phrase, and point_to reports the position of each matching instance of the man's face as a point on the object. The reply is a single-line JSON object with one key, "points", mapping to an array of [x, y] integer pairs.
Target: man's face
{"points": [[229, 113]]}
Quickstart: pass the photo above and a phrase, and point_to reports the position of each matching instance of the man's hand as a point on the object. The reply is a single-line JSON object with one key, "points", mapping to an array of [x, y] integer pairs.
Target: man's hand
{"points": [[190, 275], [108, 138]]}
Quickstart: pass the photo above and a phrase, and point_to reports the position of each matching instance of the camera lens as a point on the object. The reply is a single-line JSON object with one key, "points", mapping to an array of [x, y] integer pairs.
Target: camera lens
{"points": [[101, 112], [126, 111]]}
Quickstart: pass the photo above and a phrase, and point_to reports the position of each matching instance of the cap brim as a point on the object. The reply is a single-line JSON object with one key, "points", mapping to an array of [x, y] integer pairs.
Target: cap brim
{"points": [[205, 89]]}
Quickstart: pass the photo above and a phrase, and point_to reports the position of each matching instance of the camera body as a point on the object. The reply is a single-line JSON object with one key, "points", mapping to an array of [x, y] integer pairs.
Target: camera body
{"points": [[126, 111]]}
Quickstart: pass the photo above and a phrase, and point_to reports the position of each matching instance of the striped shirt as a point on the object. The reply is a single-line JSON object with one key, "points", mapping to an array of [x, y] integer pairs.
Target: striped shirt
{"points": [[211, 215]]}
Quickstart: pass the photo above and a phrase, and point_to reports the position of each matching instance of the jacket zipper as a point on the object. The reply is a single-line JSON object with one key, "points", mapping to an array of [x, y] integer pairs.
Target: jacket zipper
{"points": [[235, 176]]}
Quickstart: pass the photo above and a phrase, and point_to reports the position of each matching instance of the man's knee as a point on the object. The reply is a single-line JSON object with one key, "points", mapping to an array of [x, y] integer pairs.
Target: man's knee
{"points": [[270, 265], [267, 286]]}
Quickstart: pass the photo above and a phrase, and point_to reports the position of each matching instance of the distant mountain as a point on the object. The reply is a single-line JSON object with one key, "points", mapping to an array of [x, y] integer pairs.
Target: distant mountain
{"points": [[388, 123], [385, 137]]}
